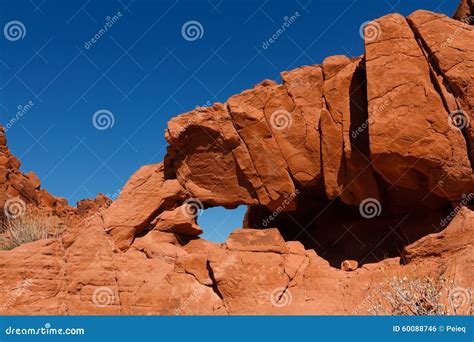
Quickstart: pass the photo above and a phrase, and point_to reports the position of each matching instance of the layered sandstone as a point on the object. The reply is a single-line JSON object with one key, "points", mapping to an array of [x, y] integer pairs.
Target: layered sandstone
{"points": [[253, 272], [353, 171]]}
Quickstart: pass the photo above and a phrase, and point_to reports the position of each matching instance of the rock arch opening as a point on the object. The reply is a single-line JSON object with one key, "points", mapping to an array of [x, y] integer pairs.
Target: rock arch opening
{"points": [[218, 222], [367, 233]]}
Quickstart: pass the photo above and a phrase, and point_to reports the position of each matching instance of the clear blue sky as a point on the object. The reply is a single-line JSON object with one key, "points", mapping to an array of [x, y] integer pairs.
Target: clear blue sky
{"points": [[144, 72]]}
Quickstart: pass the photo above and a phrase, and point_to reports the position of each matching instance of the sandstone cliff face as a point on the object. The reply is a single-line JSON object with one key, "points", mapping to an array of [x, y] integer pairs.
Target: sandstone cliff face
{"points": [[465, 11], [17, 189], [21, 193], [362, 162], [253, 272], [412, 140]]}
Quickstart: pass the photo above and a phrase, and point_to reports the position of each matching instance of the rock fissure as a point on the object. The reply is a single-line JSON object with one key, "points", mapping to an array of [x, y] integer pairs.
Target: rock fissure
{"points": [[360, 183], [435, 71], [249, 155], [215, 286]]}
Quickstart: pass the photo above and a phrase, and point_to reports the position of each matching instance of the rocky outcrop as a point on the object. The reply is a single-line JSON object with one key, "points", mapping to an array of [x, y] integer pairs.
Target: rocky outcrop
{"points": [[253, 272], [361, 128], [465, 11], [20, 192], [412, 143], [18, 189], [348, 174], [353, 171], [380, 131], [449, 46]]}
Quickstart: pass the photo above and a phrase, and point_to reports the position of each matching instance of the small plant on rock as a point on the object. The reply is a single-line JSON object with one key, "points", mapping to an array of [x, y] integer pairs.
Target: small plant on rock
{"points": [[419, 296], [28, 228]]}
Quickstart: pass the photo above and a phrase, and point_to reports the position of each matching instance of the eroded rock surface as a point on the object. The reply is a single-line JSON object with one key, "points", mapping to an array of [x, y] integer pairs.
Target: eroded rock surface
{"points": [[20, 192], [353, 171], [24, 189], [465, 12], [412, 143], [253, 272]]}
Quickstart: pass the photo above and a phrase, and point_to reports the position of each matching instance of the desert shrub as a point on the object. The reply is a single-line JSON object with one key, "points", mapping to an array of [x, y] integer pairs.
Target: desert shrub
{"points": [[418, 296], [28, 228]]}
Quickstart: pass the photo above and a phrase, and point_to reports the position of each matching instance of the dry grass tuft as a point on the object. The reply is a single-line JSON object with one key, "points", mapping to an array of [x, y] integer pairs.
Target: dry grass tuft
{"points": [[28, 228], [419, 296]]}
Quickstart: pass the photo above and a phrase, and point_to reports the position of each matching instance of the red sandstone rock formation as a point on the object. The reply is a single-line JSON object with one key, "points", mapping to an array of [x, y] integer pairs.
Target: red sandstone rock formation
{"points": [[20, 192], [253, 272], [24, 189], [359, 164], [465, 11]]}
